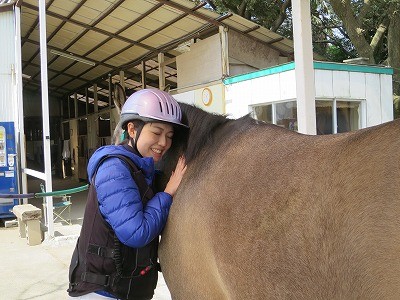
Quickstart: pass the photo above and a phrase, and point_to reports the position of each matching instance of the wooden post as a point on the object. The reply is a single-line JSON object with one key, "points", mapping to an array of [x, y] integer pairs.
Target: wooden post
{"points": [[223, 34], [96, 103], [143, 74], [76, 104], [161, 71], [122, 79], [109, 90]]}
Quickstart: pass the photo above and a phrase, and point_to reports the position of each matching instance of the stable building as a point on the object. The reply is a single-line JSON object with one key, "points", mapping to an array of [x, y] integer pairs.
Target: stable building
{"points": [[62, 59]]}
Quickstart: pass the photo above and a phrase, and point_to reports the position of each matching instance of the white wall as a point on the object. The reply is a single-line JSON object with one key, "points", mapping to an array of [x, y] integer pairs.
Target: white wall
{"points": [[185, 97], [216, 98], [266, 89], [386, 88], [372, 88], [8, 101]]}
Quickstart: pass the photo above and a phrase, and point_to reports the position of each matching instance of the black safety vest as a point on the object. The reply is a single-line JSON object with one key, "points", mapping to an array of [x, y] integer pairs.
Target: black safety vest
{"points": [[101, 262]]}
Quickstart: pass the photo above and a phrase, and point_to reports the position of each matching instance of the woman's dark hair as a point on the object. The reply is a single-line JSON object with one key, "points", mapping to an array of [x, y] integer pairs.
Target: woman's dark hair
{"points": [[138, 124]]}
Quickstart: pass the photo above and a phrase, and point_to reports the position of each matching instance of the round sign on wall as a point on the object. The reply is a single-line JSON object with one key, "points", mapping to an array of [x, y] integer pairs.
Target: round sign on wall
{"points": [[206, 96]]}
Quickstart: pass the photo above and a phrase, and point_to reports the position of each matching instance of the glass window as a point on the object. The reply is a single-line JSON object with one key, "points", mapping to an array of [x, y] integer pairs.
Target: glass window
{"points": [[282, 114], [263, 113], [286, 115], [332, 116], [348, 118], [324, 116]]}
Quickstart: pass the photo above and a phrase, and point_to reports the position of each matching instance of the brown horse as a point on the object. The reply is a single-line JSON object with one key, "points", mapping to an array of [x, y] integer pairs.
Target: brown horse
{"points": [[266, 213]]}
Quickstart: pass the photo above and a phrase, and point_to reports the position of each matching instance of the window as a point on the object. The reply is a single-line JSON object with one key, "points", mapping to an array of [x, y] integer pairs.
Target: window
{"points": [[324, 116], [283, 114], [334, 116], [348, 117], [263, 113], [286, 115]]}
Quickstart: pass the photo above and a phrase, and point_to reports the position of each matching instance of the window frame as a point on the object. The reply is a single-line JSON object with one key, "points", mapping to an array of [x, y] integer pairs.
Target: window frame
{"points": [[362, 121]]}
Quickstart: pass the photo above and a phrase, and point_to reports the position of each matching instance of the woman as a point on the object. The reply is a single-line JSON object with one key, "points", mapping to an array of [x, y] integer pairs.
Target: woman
{"points": [[116, 254]]}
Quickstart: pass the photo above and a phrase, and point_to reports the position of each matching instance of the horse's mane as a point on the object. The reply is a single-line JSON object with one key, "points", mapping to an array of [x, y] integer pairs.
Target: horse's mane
{"points": [[203, 126], [207, 132]]}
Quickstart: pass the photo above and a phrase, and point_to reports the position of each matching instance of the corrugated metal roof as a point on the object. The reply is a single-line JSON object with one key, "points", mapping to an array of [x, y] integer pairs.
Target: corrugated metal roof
{"points": [[6, 5], [6, 2], [118, 35]]}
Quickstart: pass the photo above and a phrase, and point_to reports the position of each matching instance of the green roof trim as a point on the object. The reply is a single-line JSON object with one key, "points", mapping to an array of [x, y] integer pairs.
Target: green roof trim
{"points": [[352, 68], [317, 65], [260, 73]]}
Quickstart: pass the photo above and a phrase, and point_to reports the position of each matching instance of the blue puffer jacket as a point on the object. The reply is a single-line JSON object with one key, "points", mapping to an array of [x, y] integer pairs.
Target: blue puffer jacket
{"points": [[119, 198]]}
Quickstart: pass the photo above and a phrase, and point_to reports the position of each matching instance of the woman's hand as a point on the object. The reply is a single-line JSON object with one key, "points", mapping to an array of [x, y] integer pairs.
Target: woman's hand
{"points": [[176, 177]]}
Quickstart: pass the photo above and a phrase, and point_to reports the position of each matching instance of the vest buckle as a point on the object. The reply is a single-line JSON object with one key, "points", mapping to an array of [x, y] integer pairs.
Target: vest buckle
{"points": [[104, 280]]}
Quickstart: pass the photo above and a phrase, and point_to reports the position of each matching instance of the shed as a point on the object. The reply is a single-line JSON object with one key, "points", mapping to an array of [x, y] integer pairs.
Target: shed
{"points": [[348, 96]]}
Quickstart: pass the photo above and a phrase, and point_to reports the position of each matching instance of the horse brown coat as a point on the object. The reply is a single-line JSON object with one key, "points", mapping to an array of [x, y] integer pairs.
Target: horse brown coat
{"points": [[266, 213]]}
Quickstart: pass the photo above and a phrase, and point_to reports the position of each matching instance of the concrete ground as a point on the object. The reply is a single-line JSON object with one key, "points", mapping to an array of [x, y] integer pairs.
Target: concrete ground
{"points": [[41, 272]]}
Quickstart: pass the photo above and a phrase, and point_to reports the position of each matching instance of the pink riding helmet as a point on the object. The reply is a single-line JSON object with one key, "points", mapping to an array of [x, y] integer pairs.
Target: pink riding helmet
{"points": [[151, 105]]}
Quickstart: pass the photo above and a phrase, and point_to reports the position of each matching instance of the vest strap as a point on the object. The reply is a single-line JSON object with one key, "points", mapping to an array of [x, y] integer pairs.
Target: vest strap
{"points": [[103, 280], [145, 190], [101, 251]]}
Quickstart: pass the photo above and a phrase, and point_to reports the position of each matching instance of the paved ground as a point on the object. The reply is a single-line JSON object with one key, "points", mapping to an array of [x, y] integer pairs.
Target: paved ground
{"points": [[41, 272]]}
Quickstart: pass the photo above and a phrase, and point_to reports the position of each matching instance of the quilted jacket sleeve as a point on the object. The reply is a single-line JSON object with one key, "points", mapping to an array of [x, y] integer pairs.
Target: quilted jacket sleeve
{"points": [[121, 206]]}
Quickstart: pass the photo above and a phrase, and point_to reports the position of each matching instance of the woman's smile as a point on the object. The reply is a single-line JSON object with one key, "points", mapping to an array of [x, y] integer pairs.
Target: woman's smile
{"points": [[155, 139], [158, 151]]}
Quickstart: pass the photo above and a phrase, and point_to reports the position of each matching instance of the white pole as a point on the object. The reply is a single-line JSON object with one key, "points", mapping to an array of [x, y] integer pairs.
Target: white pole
{"points": [[303, 55], [20, 103], [45, 114]]}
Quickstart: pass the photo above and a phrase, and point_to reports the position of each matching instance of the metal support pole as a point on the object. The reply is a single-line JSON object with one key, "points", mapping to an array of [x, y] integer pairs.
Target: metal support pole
{"points": [[45, 114], [20, 104]]}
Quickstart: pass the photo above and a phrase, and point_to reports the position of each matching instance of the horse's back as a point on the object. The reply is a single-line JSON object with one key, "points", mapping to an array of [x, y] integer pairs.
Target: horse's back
{"points": [[275, 215]]}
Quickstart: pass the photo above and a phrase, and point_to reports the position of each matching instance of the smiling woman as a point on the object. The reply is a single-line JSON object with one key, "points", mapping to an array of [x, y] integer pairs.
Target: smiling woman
{"points": [[151, 139], [155, 139], [123, 217]]}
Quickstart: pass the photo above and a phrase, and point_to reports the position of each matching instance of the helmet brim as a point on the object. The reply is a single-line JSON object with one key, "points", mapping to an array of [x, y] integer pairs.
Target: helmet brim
{"points": [[148, 119]]}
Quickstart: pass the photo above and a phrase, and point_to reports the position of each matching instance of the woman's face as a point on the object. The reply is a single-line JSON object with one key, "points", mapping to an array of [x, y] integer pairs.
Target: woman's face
{"points": [[154, 140]]}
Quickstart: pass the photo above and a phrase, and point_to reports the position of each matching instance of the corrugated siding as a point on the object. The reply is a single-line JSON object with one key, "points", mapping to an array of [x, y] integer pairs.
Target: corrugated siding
{"points": [[7, 61]]}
